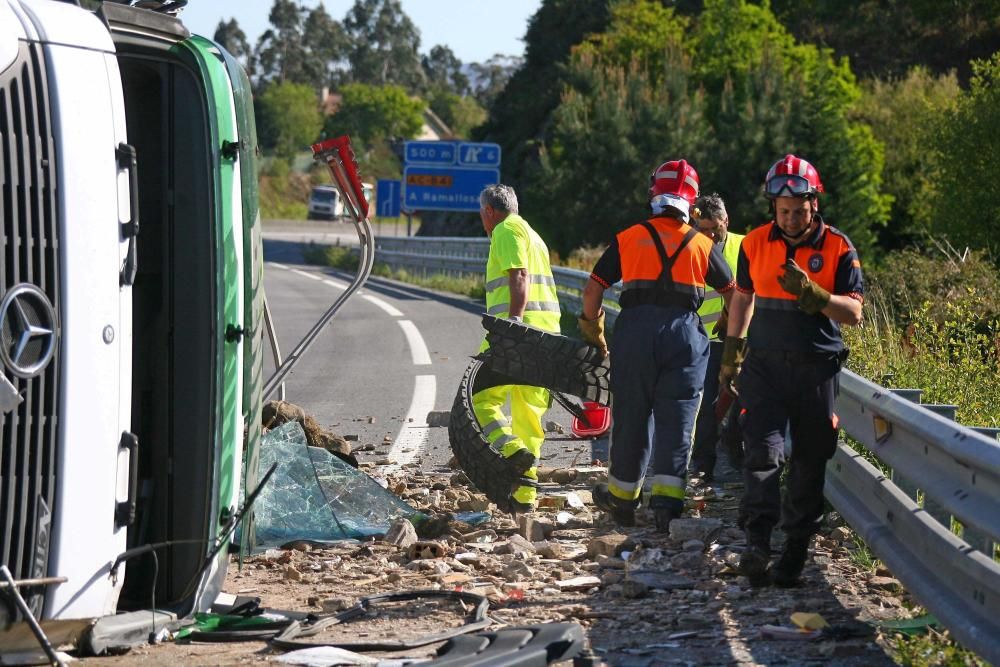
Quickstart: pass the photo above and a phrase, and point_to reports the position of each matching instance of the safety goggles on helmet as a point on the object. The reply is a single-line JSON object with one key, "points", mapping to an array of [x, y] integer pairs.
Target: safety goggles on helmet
{"points": [[788, 185]]}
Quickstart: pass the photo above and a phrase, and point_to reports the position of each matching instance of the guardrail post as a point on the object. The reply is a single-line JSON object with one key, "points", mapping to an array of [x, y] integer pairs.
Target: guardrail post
{"points": [[976, 539], [905, 485], [930, 505]]}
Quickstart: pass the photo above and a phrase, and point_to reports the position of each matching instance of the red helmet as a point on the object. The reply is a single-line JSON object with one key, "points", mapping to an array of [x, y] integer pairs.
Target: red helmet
{"points": [[792, 177], [674, 185]]}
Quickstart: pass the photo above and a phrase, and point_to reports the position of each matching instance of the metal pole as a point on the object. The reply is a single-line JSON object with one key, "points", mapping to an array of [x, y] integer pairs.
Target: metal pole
{"points": [[29, 618], [409, 225]]}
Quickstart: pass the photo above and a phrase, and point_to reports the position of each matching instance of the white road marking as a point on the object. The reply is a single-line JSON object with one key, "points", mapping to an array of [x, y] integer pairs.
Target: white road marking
{"points": [[390, 309], [418, 349], [413, 435], [335, 285], [276, 265], [311, 276]]}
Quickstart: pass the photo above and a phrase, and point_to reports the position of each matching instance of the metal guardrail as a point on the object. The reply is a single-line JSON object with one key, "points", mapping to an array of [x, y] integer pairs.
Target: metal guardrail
{"points": [[955, 472], [939, 470], [459, 256]]}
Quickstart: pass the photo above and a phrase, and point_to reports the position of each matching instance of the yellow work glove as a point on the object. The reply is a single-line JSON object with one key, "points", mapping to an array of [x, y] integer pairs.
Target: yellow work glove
{"points": [[592, 331], [811, 297], [734, 351]]}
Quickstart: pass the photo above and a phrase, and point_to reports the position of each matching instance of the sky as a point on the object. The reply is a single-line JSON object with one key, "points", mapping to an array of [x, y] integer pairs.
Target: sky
{"points": [[475, 30]]}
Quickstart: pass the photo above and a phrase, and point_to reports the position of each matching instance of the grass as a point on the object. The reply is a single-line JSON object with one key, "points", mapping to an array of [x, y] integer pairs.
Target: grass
{"points": [[935, 649], [862, 556]]}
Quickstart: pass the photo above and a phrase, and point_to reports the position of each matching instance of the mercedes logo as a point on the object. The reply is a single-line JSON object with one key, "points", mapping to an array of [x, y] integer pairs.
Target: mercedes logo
{"points": [[27, 330]]}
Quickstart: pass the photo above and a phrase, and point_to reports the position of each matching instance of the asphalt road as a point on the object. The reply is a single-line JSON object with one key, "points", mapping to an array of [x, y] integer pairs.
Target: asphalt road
{"points": [[394, 353]]}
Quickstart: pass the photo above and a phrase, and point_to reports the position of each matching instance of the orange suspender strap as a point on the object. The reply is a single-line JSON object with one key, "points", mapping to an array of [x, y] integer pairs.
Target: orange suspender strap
{"points": [[666, 278]]}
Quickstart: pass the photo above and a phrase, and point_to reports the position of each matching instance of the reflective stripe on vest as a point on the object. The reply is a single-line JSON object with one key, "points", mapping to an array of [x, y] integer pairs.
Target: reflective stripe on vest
{"points": [[711, 309], [502, 309], [766, 256], [511, 235], [534, 279]]}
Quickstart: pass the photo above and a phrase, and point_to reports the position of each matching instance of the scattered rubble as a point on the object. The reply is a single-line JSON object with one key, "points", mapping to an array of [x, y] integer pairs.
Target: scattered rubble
{"points": [[640, 594]]}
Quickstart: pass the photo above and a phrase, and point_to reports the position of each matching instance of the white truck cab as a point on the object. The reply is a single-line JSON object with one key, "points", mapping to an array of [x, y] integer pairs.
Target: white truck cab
{"points": [[131, 313]]}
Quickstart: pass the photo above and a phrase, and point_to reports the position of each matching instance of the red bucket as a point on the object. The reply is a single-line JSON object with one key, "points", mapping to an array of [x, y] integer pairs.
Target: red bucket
{"points": [[599, 418]]}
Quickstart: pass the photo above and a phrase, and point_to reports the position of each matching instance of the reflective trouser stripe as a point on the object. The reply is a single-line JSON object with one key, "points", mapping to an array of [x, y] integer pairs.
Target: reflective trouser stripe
{"points": [[495, 425], [669, 486], [523, 429], [624, 490]]}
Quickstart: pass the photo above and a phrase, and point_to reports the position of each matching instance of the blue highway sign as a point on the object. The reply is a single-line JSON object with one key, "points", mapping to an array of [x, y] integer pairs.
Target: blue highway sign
{"points": [[478, 155], [387, 198], [445, 188], [430, 152]]}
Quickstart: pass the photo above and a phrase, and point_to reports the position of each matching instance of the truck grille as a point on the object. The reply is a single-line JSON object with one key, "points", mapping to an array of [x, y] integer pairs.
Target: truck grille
{"points": [[30, 256]]}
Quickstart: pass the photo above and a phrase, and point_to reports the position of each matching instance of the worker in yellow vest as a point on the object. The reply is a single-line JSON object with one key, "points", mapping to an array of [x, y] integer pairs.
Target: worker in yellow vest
{"points": [[519, 286], [711, 219]]}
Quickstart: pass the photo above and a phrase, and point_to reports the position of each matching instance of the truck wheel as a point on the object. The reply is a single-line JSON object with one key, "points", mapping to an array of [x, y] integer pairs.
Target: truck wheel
{"points": [[485, 466], [519, 354], [543, 359]]}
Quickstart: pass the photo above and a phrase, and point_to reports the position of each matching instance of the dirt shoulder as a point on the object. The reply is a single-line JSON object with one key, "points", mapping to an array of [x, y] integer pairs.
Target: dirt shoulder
{"points": [[643, 598]]}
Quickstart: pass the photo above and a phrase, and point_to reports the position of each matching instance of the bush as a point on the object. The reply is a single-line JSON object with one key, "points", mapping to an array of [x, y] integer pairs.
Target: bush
{"points": [[930, 322], [284, 194], [933, 280]]}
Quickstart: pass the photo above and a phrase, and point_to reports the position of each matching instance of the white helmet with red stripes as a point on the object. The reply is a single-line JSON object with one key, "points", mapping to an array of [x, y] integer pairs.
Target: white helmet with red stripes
{"points": [[673, 188], [792, 176]]}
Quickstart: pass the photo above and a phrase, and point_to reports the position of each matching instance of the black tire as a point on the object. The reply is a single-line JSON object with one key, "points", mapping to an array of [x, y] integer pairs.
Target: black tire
{"points": [[519, 354], [544, 359], [485, 466]]}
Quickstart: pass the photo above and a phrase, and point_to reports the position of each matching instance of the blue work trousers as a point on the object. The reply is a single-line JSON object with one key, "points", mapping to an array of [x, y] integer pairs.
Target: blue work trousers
{"points": [[779, 391], [658, 360], [706, 433]]}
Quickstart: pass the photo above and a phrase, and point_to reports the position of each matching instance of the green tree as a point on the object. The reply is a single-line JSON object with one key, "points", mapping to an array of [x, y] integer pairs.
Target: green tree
{"points": [[384, 45], [326, 44], [444, 71], [902, 114], [639, 32], [519, 114], [611, 130], [231, 37], [461, 113], [965, 205], [288, 118], [281, 55], [884, 39], [490, 78], [764, 96], [374, 113]]}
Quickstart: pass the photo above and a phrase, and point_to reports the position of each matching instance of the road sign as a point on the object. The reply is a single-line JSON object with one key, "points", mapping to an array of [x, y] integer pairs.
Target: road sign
{"points": [[478, 155], [387, 196], [445, 188], [430, 152]]}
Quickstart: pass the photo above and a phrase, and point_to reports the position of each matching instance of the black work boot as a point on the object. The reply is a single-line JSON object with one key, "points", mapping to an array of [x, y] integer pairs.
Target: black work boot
{"points": [[788, 569], [663, 517], [521, 461], [754, 561], [621, 511]]}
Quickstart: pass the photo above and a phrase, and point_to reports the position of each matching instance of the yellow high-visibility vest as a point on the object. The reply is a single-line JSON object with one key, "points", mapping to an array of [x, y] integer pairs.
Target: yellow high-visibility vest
{"points": [[711, 309], [515, 245]]}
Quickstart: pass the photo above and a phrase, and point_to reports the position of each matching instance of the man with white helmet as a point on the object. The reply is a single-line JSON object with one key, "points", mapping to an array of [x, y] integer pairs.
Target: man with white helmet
{"points": [[801, 279], [660, 349]]}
